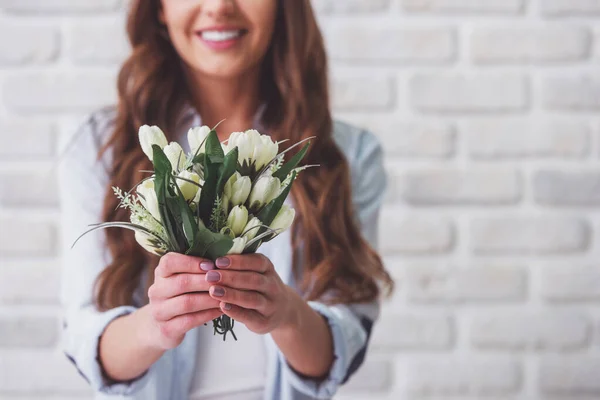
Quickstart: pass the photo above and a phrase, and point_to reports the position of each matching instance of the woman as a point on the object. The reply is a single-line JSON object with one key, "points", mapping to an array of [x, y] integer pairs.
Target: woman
{"points": [[134, 324]]}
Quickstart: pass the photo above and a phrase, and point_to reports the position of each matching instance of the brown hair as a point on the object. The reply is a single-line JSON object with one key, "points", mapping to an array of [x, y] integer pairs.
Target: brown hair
{"points": [[335, 258]]}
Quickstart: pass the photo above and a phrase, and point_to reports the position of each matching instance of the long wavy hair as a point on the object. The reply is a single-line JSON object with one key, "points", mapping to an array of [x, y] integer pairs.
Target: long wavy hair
{"points": [[335, 259]]}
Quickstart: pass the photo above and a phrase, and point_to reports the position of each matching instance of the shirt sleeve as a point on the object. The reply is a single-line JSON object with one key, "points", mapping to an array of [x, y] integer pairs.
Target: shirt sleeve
{"points": [[82, 184], [351, 325]]}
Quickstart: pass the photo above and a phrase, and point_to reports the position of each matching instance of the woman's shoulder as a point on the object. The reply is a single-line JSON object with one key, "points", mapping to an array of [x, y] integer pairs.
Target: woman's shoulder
{"points": [[355, 142]]}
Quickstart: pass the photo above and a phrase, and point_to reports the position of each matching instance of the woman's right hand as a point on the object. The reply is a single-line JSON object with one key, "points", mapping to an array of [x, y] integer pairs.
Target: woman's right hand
{"points": [[179, 299]]}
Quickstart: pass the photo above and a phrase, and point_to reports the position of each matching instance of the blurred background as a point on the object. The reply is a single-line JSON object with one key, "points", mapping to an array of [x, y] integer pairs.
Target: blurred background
{"points": [[488, 112]]}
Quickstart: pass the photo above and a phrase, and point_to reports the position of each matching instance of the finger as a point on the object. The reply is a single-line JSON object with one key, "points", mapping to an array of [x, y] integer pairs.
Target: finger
{"points": [[178, 284], [184, 304], [174, 263], [183, 323], [243, 298], [245, 280], [245, 316], [245, 262]]}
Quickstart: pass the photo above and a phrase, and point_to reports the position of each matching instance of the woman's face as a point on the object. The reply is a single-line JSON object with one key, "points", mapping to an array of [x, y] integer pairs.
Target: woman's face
{"points": [[220, 38]]}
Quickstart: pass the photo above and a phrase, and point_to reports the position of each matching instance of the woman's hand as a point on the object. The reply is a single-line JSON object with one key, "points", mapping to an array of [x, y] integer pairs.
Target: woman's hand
{"points": [[179, 299], [251, 292]]}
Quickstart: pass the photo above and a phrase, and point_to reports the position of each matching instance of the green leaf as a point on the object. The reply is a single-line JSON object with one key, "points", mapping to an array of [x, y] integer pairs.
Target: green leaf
{"points": [[190, 227], [287, 168], [212, 164], [210, 245], [167, 200], [214, 151], [269, 212], [126, 225], [199, 159], [227, 169]]}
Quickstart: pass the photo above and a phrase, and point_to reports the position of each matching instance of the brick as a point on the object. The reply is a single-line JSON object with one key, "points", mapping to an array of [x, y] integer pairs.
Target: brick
{"points": [[109, 39], [409, 138], [27, 44], [372, 376], [413, 331], [567, 188], [541, 331], [475, 92], [350, 6], [28, 189], [529, 235], [401, 234], [363, 92], [352, 42], [455, 6], [485, 283], [570, 283], [530, 44], [29, 282], [474, 376], [569, 376], [26, 140], [570, 7], [571, 93], [516, 138], [58, 6], [22, 237], [446, 186], [42, 372], [28, 331], [53, 92]]}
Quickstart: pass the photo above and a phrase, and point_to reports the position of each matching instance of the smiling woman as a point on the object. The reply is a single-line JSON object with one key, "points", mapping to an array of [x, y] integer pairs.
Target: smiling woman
{"points": [[306, 306]]}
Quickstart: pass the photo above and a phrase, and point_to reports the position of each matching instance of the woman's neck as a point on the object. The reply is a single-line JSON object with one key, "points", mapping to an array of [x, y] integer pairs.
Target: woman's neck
{"points": [[233, 101]]}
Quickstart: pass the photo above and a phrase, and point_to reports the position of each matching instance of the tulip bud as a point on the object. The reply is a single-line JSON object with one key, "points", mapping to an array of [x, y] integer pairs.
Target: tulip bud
{"points": [[284, 219], [238, 246], [188, 189], [197, 139], [252, 228], [265, 190], [174, 153], [149, 135], [146, 241], [237, 220], [147, 197], [264, 152], [237, 189]]}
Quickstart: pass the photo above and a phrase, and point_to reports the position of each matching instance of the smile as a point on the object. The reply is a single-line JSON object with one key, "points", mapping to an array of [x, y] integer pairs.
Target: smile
{"points": [[221, 36]]}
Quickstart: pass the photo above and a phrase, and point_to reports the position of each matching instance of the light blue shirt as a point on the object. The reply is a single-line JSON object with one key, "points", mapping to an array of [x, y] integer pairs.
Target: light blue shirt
{"points": [[83, 181]]}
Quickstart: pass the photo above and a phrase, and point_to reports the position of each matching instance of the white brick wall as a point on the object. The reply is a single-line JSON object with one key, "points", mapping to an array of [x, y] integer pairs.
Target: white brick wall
{"points": [[488, 111]]}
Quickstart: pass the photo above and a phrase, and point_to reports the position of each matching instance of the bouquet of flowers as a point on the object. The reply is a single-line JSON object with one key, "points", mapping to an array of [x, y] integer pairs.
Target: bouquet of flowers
{"points": [[222, 198]]}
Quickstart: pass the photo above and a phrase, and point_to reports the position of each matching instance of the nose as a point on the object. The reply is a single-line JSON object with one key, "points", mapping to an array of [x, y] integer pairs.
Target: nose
{"points": [[216, 8]]}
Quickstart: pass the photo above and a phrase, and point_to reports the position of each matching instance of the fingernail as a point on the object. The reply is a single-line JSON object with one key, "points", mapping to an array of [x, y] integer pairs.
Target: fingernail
{"points": [[223, 262], [227, 306], [213, 276], [207, 265], [218, 292]]}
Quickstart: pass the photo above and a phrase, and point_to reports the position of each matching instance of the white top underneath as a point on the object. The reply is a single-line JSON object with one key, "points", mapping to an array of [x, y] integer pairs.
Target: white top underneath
{"points": [[229, 370]]}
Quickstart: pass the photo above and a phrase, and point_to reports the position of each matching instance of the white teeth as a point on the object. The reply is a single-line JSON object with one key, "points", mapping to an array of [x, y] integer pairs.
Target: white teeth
{"points": [[220, 36]]}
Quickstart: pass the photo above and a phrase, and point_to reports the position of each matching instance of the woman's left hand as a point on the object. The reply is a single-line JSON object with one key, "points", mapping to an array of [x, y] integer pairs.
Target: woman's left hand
{"points": [[251, 292]]}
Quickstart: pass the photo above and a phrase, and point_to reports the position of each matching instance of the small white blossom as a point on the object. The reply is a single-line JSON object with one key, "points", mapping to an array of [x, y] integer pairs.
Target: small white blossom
{"points": [[254, 148], [197, 139], [238, 246], [147, 196], [188, 189], [174, 153], [237, 189], [265, 190], [237, 219], [284, 219], [149, 135], [252, 228]]}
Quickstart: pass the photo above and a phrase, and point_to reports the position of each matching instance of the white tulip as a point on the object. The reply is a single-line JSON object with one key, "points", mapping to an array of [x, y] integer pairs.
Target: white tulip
{"points": [[197, 139], [145, 241], [149, 135], [174, 153], [188, 189], [147, 197], [238, 246], [198, 193], [237, 189], [265, 190], [284, 219], [252, 228], [237, 219], [254, 148]]}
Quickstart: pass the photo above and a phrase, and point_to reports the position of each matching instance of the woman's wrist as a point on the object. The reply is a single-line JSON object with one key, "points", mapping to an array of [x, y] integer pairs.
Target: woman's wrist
{"points": [[147, 331]]}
